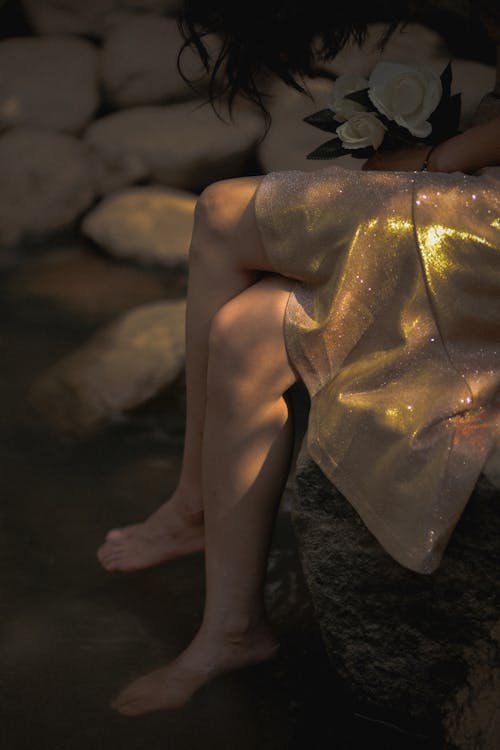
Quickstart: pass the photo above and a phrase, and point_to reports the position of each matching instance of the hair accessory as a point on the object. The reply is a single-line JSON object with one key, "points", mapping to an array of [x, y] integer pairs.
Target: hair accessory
{"points": [[367, 115]]}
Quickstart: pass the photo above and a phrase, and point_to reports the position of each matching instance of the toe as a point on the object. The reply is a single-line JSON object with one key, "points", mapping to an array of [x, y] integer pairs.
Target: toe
{"points": [[115, 535]]}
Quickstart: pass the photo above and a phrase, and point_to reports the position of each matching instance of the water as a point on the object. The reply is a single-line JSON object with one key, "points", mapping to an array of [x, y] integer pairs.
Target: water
{"points": [[71, 634]]}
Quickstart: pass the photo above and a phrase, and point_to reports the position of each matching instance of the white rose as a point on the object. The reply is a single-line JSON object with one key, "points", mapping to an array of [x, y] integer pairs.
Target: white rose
{"points": [[347, 84], [406, 95], [363, 129]]}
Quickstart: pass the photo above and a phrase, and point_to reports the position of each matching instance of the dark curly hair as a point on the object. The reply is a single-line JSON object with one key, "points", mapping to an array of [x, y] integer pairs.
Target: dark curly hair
{"points": [[278, 37]]}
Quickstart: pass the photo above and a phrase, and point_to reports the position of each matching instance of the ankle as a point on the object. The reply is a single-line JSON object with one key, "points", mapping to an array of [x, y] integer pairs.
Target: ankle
{"points": [[236, 629], [187, 503]]}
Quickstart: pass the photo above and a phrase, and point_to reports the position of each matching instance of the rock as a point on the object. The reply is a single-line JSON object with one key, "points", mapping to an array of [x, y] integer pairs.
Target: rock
{"points": [[48, 83], [149, 224], [91, 18], [289, 138], [80, 282], [121, 367], [419, 652], [412, 44], [139, 63], [45, 183], [181, 145], [416, 44], [473, 80], [487, 109]]}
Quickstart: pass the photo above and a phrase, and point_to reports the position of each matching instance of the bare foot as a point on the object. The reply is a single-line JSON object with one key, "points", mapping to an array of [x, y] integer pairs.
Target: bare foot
{"points": [[173, 686], [168, 533]]}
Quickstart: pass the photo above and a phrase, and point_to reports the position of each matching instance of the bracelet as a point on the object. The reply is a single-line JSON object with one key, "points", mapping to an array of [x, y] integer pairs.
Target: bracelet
{"points": [[424, 167]]}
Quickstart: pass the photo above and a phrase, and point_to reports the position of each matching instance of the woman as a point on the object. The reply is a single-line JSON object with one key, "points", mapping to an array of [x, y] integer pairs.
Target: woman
{"points": [[347, 281]]}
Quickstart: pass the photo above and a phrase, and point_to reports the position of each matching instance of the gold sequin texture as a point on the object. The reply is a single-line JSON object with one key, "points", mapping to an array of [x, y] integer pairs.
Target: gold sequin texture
{"points": [[394, 326]]}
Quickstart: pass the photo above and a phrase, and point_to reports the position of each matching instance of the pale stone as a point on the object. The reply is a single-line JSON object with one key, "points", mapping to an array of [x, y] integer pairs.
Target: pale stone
{"points": [[184, 145], [473, 80], [149, 224], [139, 63], [45, 183], [48, 82], [411, 44], [90, 18], [121, 367], [82, 283], [289, 138], [416, 44]]}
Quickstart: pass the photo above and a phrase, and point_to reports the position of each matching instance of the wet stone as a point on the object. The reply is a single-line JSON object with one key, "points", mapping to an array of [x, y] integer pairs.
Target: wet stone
{"points": [[185, 145], [83, 283], [419, 652], [289, 138], [148, 224], [91, 18], [45, 183], [122, 366], [48, 83], [409, 44], [139, 63]]}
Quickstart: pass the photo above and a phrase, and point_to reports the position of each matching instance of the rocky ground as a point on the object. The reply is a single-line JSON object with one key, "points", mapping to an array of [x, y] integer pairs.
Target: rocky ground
{"points": [[102, 140], [104, 150]]}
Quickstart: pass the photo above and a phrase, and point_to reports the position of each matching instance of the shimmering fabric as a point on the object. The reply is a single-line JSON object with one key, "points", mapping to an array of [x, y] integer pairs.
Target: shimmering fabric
{"points": [[394, 326]]}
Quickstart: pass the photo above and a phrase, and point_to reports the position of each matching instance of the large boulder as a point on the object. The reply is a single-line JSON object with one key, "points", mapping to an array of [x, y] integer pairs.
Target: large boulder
{"points": [[139, 63], [121, 367], [415, 44], [148, 224], [45, 183], [48, 82], [78, 281], [418, 653], [411, 44], [473, 80], [289, 139], [185, 145], [90, 18]]}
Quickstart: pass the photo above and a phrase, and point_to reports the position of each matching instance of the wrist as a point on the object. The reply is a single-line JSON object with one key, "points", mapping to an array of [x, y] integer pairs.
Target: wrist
{"points": [[442, 158], [427, 159]]}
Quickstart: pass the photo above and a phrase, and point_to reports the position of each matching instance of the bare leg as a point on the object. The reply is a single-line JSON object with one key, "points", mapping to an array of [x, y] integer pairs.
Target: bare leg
{"points": [[246, 458], [225, 245]]}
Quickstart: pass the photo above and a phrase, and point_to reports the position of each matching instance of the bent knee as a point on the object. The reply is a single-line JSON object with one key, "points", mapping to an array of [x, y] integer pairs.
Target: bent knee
{"points": [[247, 348], [221, 206]]}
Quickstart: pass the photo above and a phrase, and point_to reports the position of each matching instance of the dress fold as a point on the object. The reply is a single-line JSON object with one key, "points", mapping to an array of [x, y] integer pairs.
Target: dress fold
{"points": [[394, 326]]}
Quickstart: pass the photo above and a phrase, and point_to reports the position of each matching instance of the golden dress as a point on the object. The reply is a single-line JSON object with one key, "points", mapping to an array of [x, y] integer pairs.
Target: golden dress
{"points": [[394, 327]]}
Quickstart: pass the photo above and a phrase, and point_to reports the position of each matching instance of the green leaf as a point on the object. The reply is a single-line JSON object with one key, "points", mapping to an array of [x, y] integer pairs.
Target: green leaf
{"points": [[324, 120], [446, 78], [454, 109], [445, 120], [362, 153], [329, 150], [361, 97]]}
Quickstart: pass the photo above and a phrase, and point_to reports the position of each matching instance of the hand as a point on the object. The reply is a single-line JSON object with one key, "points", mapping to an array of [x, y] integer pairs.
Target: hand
{"points": [[468, 152], [407, 159]]}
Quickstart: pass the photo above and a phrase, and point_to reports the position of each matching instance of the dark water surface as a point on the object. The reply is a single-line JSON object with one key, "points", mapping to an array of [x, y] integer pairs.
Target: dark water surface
{"points": [[71, 634]]}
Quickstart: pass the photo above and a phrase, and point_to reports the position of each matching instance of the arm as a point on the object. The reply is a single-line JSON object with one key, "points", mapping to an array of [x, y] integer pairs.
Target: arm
{"points": [[475, 148]]}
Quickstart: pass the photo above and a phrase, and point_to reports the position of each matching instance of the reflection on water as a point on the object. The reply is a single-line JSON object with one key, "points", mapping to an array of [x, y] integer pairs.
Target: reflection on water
{"points": [[72, 635]]}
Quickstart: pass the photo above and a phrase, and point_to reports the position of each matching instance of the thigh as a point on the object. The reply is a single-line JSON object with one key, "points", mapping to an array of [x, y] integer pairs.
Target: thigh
{"points": [[247, 337]]}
